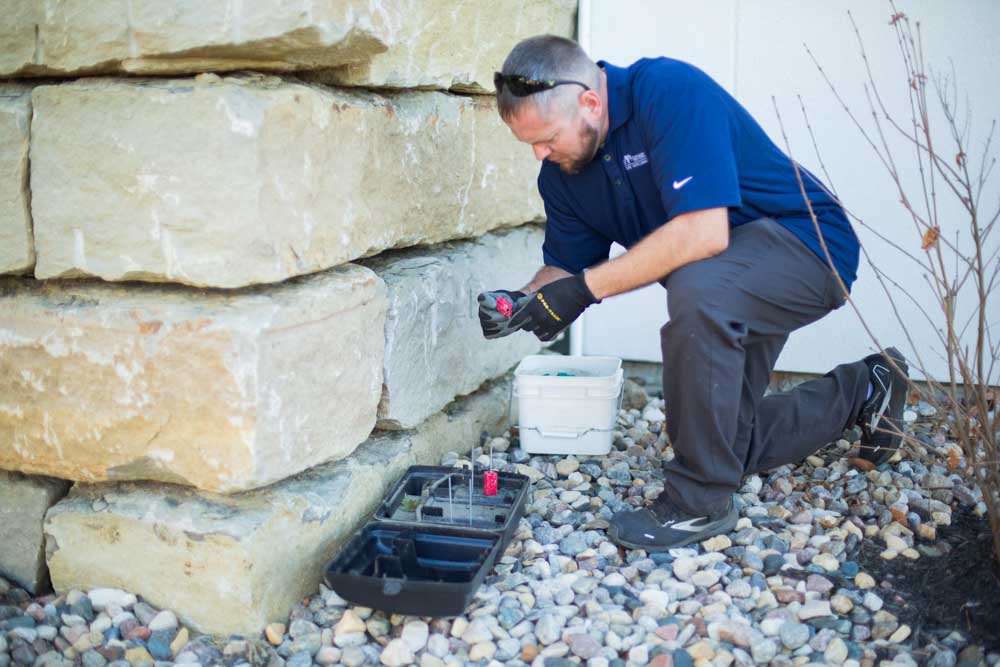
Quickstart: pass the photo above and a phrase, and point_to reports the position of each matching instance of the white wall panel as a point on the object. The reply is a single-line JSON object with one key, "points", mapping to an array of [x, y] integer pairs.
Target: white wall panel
{"points": [[756, 49]]}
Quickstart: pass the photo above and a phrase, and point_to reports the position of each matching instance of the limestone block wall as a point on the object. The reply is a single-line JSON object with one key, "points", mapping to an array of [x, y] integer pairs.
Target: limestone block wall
{"points": [[231, 564], [398, 44], [225, 392], [227, 182], [24, 500], [434, 348], [17, 250], [242, 240]]}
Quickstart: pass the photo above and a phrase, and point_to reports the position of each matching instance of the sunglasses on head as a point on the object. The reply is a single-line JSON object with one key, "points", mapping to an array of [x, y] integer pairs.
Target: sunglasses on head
{"points": [[521, 86]]}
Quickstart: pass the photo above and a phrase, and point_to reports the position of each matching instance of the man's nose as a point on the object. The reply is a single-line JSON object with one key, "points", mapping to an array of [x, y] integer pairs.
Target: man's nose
{"points": [[541, 152]]}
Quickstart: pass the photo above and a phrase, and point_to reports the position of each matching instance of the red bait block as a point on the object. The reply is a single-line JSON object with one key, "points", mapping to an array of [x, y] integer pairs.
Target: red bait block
{"points": [[490, 483], [505, 307]]}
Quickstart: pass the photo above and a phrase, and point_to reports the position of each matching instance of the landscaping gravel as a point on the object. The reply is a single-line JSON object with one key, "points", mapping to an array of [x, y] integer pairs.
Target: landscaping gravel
{"points": [[784, 588]]}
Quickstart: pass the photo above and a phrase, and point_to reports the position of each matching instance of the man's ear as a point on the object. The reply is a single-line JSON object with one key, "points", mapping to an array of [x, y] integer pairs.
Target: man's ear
{"points": [[590, 104]]}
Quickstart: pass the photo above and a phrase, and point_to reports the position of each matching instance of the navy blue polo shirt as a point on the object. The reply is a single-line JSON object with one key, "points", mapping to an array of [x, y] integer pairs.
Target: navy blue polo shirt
{"points": [[678, 142]]}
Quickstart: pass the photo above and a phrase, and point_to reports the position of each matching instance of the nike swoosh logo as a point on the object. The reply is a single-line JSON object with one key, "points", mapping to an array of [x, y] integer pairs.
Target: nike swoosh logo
{"points": [[887, 388], [680, 184], [688, 526]]}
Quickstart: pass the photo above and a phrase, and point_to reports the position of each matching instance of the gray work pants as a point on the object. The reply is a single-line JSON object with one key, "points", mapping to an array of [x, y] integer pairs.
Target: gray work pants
{"points": [[730, 315]]}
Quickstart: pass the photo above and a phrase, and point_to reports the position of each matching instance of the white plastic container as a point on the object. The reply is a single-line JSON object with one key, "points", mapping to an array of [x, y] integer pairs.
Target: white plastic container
{"points": [[573, 413]]}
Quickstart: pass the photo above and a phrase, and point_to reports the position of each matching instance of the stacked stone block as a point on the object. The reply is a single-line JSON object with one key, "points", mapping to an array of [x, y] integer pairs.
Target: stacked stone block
{"points": [[17, 250], [24, 500], [221, 391], [209, 302], [229, 182]]}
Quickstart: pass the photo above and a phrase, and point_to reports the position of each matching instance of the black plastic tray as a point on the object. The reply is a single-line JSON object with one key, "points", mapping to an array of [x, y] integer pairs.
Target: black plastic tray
{"points": [[420, 572], [417, 500], [421, 555]]}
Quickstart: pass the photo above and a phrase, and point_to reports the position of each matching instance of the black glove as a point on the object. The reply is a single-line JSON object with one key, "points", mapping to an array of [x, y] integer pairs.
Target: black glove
{"points": [[496, 309], [554, 307]]}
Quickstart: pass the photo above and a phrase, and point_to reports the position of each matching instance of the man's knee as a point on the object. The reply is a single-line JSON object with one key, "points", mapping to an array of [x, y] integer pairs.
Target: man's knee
{"points": [[695, 315]]}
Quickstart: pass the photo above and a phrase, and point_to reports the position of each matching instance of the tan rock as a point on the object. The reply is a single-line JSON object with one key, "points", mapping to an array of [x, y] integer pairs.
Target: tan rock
{"points": [[221, 391], [435, 348], [428, 52], [232, 564], [17, 252], [138, 656], [941, 518], [250, 179], [275, 633], [841, 604], [895, 542], [432, 43], [900, 634], [179, 642], [89, 36], [863, 580], [701, 650], [24, 501], [717, 543], [349, 622]]}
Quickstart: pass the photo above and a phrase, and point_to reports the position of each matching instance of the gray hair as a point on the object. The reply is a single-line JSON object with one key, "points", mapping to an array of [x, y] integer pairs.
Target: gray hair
{"points": [[547, 57]]}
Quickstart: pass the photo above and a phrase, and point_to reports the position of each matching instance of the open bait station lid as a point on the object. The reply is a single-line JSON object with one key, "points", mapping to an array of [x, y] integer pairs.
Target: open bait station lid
{"points": [[431, 542]]}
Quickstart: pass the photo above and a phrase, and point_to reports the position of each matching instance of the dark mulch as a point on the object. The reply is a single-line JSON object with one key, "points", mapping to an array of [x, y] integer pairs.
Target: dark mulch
{"points": [[959, 590]]}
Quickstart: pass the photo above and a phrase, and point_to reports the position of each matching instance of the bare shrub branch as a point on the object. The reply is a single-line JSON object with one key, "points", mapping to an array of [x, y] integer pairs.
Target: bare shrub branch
{"points": [[956, 261]]}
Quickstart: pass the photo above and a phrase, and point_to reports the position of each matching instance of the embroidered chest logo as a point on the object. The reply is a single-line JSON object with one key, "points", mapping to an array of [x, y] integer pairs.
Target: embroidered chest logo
{"points": [[633, 161]]}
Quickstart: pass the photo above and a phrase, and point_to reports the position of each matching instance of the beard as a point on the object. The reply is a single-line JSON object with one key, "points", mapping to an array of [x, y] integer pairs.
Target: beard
{"points": [[588, 139]]}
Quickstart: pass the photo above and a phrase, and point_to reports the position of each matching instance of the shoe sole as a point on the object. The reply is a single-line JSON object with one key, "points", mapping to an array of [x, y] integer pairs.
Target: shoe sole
{"points": [[720, 527]]}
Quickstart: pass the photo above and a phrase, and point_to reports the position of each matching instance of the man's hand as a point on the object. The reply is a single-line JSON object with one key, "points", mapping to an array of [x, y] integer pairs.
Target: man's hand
{"points": [[496, 309], [554, 307]]}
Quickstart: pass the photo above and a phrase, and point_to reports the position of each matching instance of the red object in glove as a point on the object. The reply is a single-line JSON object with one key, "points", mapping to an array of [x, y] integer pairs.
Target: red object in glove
{"points": [[505, 307], [490, 483]]}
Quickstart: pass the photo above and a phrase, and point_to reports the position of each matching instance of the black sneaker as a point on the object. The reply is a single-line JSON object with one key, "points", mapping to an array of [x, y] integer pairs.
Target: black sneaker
{"points": [[881, 417], [664, 526]]}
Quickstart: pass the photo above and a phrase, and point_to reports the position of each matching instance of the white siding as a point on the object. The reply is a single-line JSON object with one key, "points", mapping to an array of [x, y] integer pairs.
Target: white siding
{"points": [[756, 49]]}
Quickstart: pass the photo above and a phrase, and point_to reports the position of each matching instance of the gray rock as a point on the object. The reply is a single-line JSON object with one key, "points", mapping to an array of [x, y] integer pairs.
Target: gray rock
{"points": [[437, 645], [396, 654], [159, 644], [772, 564], [573, 544], [752, 560], [352, 657], [944, 658], [510, 614], [548, 629], [793, 635], [165, 620], [583, 645], [302, 627], [415, 634], [818, 583], [634, 396], [619, 474], [144, 612], [763, 650], [507, 649], [24, 500], [92, 658]]}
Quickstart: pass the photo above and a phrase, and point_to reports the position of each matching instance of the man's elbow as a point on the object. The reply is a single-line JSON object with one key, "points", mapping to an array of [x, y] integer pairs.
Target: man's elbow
{"points": [[716, 240], [721, 242], [707, 232]]}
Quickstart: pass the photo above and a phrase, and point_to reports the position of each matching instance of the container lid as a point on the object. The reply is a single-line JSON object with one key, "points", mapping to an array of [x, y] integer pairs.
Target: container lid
{"points": [[569, 369]]}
